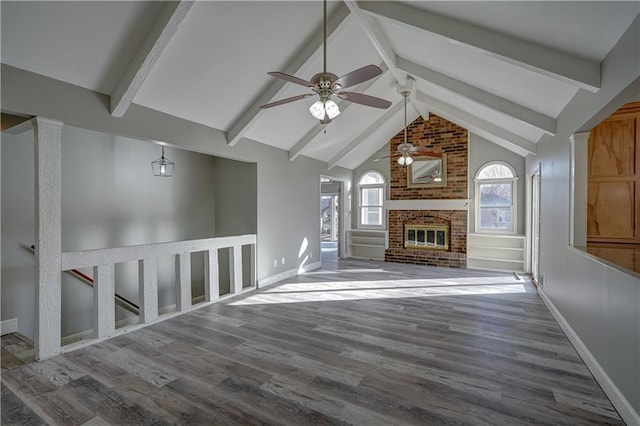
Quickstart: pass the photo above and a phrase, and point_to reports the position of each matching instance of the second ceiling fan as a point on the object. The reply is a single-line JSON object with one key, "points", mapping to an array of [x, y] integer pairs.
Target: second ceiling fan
{"points": [[326, 85]]}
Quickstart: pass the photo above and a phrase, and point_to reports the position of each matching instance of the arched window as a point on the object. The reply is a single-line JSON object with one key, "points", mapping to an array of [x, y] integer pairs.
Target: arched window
{"points": [[496, 205], [371, 200]]}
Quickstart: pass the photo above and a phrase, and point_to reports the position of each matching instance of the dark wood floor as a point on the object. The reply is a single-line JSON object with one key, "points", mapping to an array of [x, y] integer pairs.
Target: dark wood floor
{"points": [[358, 342]]}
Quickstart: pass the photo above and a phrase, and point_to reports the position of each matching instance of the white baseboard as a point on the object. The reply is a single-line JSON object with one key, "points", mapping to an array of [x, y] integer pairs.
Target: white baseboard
{"points": [[266, 281], [625, 409], [9, 326]]}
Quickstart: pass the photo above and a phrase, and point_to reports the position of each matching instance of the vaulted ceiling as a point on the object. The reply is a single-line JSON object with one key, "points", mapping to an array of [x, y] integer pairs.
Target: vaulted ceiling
{"points": [[503, 70]]}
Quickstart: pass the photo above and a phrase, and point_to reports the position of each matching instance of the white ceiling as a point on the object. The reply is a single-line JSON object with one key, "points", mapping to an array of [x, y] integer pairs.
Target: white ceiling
{"points": [[489, 66]]}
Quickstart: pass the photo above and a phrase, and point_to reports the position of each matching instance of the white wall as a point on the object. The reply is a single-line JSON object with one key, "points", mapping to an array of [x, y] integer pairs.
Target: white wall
{"points": [[600, 305], [481, 151]]}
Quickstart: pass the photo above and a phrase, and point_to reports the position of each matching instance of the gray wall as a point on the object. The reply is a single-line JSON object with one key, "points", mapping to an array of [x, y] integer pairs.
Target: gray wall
{"points": [[18, 218], [287, 191], [109, 199], [236, 211], [601, 305], [481, 151]]}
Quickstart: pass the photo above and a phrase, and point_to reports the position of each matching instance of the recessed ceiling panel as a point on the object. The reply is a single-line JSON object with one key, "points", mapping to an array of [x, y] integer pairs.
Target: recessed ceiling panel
{"points": [[379, 139], [217, 62], [535, 91], [88, 44], [504, 121], [587, 29]]}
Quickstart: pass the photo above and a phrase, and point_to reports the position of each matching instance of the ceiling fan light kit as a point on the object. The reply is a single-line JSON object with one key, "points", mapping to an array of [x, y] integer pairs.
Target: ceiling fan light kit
{"points": [[326, 85], [320, 110], [405, 160]]}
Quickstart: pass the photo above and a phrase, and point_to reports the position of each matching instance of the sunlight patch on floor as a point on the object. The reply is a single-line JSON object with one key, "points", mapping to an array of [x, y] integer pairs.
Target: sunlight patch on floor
{"points": [[400, 283], [362, 290]]}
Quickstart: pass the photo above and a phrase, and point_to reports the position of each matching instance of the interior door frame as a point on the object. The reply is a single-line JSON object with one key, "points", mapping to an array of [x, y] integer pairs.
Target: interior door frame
{"points": [[343, 211], [531, 219]]}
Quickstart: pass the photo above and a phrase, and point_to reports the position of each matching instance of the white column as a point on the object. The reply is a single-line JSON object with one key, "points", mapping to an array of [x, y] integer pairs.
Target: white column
{"points": [[48, 237], [212, 282], [148, 290], [235, 268], [578, 191], [183, 281], [104, 301]]}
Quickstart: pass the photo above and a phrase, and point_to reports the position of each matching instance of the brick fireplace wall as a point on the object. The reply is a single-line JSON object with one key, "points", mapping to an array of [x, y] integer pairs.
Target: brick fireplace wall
{"points": [[438, 135]]}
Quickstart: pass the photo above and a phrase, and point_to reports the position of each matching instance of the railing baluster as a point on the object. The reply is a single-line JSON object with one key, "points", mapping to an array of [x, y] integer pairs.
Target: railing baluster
{"points": [[235, 268], [104, 295], [183, 281], [254, 277], [211, 280], [104, 305], [148, 289]]}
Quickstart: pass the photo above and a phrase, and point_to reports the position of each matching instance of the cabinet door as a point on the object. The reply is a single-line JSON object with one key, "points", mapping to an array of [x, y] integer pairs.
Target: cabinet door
{"points": [[613, 209]]}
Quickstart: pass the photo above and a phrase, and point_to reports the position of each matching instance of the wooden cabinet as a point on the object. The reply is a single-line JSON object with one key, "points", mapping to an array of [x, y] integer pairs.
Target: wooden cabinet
{"points": [[613, 211]]}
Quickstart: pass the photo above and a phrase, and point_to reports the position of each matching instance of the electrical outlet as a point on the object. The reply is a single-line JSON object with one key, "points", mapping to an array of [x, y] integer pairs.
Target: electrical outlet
{"points": [[283, 260], [310, 255], [275, 263]]}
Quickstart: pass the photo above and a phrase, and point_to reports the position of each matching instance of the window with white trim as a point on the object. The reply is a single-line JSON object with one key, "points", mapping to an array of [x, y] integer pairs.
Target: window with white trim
{"points": [[371, 198], [496, 204]]}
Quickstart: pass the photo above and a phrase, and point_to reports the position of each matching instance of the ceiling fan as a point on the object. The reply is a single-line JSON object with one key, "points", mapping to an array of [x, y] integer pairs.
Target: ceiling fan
{"points": [[326, 85], [406, 149]]}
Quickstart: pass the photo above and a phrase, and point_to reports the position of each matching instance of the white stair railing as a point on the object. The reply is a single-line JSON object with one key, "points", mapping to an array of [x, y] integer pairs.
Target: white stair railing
{"points": [[103, 262]]}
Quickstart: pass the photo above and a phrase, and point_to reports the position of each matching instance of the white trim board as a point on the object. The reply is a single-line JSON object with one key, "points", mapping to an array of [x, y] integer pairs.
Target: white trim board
{"points": [[460, 204], [620, 403], [9, 326], [272, 279]]}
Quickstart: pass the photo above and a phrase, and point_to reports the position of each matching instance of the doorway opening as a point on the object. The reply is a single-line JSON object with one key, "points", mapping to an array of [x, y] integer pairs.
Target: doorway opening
{"points": [[534, 226], [330, 220]]}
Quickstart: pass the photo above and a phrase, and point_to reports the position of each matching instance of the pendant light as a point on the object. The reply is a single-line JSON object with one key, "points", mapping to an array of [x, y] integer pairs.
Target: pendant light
{"points": [[162, 167]]}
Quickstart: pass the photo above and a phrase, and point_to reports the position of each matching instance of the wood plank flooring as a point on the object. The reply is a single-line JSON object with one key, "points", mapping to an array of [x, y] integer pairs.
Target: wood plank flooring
{"points": [[358, 342]]}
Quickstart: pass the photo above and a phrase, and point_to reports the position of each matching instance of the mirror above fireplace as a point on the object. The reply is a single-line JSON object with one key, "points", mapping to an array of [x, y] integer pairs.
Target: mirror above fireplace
{"points": [[427, 172]]}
